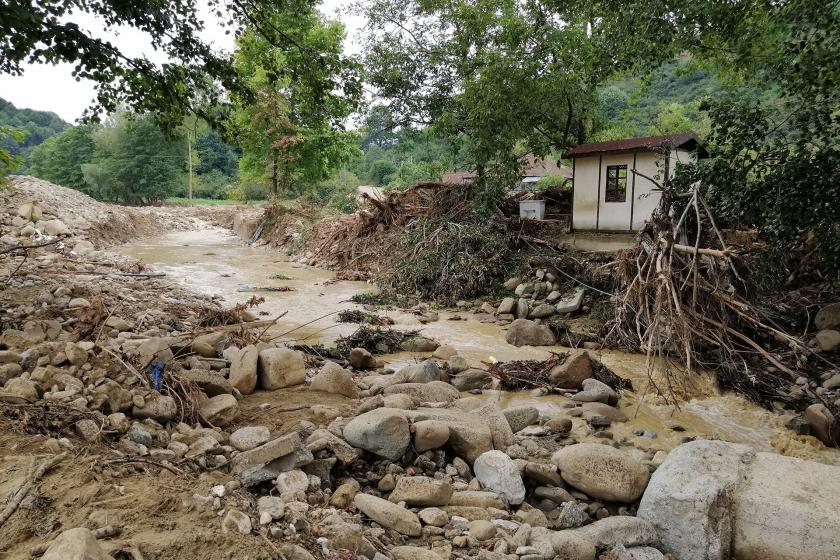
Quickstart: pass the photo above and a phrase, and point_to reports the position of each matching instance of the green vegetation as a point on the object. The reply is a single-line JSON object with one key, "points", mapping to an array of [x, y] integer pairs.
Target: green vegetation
{"points": [[183, 201], [457, 85], [35, 127]]}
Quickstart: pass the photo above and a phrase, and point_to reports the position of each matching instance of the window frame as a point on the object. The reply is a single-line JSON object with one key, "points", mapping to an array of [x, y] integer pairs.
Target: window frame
{"points": [[616, 180]]}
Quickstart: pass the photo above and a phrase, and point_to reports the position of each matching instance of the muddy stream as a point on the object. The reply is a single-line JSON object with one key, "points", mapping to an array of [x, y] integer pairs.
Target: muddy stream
{"points": [[216, 262]]}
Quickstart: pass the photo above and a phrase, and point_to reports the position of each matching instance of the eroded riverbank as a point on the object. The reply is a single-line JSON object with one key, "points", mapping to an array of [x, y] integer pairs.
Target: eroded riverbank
{"points": [[215, 262]]}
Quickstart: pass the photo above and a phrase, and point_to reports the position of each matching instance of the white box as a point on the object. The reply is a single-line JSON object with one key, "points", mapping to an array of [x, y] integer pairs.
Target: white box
{"points": [[532, 209]]}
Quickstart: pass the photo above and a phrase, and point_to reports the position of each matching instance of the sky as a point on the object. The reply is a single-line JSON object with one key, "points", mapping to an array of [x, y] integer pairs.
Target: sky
{"points": [[53, 88]]}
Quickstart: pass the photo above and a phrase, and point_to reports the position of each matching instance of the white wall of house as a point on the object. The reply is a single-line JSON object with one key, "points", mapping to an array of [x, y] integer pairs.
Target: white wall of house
{"points": [[591, 211]]}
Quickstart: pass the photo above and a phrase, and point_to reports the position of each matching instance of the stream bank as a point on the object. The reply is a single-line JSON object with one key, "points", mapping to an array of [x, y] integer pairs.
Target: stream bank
{"points": [[162, 412]]}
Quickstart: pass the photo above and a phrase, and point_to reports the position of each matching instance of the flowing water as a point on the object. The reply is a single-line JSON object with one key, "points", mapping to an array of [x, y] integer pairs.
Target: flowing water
{"points": [[215, 262]]}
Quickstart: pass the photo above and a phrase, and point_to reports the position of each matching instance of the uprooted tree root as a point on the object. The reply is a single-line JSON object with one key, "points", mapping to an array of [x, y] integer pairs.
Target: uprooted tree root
{"points": [[685, 305]]}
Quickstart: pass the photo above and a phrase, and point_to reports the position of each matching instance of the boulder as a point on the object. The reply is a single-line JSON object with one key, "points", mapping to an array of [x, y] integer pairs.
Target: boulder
{"points": [[444, 352], [823, 424], [423, 372], [421, 491], [622, 552], [601, 409], [435, 517], [542, 311], [220, 410], [617, 530], [429, 434], [602, 471], [249, 437], [828, 317], [419, 344], [596, 391], [332, 378], [512, 283], [457, 364], [413, 553], [520, 417], [389, 515], [572, 547], [160, 408], [472, 379], [482, 530], [571, 374], [75, 544], [75, 355], [55, 227], [207, 345], [523, 332], [478, 499], [499, 427], [30, 211], [382, 431], [469, 436], [497, 472], [521, 311], [243, 370], [211, 382], [713, 500], [236, 522], [360, 358], [280, 367], [827, 340], [267, 452], [435, 391], [152, 349], [506, 306]]}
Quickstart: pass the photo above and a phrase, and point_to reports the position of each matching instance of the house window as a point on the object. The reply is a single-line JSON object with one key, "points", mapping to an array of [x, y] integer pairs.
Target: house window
{"points": [[616, 183]]}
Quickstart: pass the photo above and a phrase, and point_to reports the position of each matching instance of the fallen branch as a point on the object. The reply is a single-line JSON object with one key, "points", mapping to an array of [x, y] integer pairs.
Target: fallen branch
{"points": [[24, 489]]}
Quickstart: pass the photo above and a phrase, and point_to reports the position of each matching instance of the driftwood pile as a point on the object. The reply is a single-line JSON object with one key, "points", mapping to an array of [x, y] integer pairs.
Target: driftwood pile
{"points": [[361, 241], [684, 300]]}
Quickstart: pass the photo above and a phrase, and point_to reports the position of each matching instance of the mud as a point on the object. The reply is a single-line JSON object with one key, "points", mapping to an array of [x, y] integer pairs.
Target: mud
{"points": [[213, 261]]}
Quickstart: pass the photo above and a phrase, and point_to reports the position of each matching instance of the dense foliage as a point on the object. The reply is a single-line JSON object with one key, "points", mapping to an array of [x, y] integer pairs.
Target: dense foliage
{"points": [[35, 127]]}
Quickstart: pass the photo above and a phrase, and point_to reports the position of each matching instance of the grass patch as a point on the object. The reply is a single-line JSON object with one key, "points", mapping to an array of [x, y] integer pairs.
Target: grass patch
{"points": [[183, 201]]}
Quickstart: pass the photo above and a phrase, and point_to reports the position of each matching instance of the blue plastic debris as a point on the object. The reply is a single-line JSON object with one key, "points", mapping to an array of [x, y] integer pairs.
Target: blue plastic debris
{"points": [[157, 375]]}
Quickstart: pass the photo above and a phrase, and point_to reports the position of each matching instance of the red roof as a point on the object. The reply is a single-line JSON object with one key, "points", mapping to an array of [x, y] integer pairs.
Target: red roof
{"points": [[649, 143]]}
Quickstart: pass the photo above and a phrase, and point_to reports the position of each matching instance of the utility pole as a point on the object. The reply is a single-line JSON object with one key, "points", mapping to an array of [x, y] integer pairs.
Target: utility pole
{"points": [[190, 164]]}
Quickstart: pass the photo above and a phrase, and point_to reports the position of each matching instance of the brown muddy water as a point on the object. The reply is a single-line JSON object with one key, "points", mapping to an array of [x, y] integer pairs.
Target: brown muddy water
{"points": [[215, 262]]}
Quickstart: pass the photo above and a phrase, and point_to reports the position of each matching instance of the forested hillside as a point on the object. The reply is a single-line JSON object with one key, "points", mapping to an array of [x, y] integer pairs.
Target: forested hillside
{"points": [[37, 126]]}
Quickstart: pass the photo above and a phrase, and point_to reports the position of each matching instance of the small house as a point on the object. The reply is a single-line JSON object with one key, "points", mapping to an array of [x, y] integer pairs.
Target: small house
{"points": [[608, 196], [533, 171]]}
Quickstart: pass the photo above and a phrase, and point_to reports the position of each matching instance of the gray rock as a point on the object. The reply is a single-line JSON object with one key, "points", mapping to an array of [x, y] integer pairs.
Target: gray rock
{"points": [[280, 367], [572, 302], [617, 530], [571, 374], [506, 306], [602, 471], [523, 332], [712, 500], [332, 378], [421, 491], [542, 311], [236, 522], [435, 391], [472, 379], [621, 552], [390, 516], [423, 372], [596, 391], [828, 317], [249, 437], [520, 417], [361, 359], [382, 431], [497, 472], [160, 408], [243, 370], [429, 434], [75, 544], [220, 410], [823, 424], [521, 311]]}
